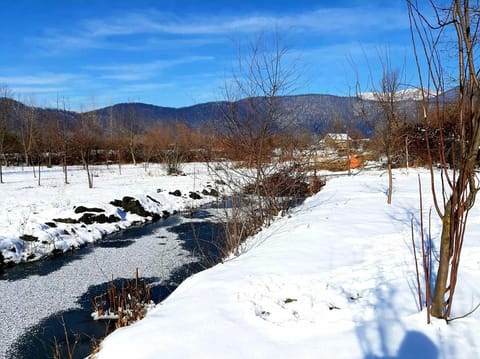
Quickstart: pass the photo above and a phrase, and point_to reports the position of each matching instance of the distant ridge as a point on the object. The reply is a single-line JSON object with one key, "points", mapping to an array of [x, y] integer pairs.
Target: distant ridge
{"points": [[315, 112], [318, 113]]}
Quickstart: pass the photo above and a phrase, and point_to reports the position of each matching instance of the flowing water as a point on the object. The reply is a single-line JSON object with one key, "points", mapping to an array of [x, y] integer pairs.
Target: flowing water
{"points": [[41, 301]]}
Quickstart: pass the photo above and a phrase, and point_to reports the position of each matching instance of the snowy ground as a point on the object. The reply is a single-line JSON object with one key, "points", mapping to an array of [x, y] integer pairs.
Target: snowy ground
{"points": [[333, 279], [28, 209]]}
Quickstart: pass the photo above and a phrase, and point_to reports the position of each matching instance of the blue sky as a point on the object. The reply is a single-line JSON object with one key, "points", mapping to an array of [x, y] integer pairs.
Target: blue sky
{"points": [[95, 53]]}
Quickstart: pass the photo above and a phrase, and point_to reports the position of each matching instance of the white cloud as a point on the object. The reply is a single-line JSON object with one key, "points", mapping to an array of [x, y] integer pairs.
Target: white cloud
{"points": [[321, 20], [150, 66], [26, 90], [103, 33], [146, 87], [42, 79], [141, 71]]}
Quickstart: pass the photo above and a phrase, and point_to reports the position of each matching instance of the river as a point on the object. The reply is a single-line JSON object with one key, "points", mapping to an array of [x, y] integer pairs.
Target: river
{"points": [[40, 300]]}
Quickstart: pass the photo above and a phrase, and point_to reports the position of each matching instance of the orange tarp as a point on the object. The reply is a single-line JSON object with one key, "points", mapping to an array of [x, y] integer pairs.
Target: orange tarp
{"points": [[354, 162]]}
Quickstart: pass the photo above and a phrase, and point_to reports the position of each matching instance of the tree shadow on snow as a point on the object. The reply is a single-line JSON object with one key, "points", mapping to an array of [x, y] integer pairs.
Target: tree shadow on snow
{"points": [[411, 217], [414, 345], [376, 336]]}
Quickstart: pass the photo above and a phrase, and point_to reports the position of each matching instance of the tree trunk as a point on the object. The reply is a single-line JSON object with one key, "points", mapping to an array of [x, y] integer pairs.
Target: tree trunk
{"points": [[132, 153], [90, 178], [119, 158], [65, 164], [39, 163], [349, 156], [406, 153], [390, 184], [65, 173], [438, 299]]}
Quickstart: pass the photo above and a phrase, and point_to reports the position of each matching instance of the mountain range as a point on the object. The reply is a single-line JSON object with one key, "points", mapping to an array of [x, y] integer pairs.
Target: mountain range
{"points": [[318, 113]]}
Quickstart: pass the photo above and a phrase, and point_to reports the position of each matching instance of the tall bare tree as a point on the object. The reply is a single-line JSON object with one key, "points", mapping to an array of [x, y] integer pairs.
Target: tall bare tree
{"points": [[251, 124], [386, 114], [64, 135], [455, 28], [27, 121], [390, 98], [130, 130], [5, 113], [86, 138]]}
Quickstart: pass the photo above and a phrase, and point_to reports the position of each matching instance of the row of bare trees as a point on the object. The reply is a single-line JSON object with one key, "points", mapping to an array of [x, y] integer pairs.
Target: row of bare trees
{"points": [[39, 137], [30, 136]]}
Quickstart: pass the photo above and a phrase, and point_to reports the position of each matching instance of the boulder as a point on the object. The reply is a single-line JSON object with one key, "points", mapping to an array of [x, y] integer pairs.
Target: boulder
{"points": [[66, 220], [28, 238], [82, 209], [212, 192], [194, 195], [2, 263], [90, 218], [132, 205]]}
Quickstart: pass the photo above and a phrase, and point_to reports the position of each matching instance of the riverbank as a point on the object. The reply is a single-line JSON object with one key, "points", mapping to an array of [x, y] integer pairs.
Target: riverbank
{"points": [[38, 221], [335, 278], [39, 295]]}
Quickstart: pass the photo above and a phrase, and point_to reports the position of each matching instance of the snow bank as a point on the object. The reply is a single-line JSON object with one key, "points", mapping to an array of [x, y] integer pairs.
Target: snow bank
{"points": [[38, 220], [333, 279]]}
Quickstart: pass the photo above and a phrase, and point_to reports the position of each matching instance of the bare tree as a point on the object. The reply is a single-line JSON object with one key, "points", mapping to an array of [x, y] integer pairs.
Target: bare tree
{"points": [[27, 119], [41, 144], [5, 113], [86, 138], [64, 136], [251, 125], [389, 99], [172, 143], [117, 142], [150, 143], [458, 161], [130, 128], [385, 114]]}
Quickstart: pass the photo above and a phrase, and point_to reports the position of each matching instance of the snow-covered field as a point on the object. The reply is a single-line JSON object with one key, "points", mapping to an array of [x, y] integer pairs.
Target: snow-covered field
{"points": [[29, 210], [333, 279]]}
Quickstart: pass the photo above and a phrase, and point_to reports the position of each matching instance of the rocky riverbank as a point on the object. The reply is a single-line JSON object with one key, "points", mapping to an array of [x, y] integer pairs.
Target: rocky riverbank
{"points": [[36, 228]]}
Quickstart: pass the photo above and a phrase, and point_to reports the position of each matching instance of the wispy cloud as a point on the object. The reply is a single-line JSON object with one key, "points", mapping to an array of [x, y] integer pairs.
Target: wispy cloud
{"points": [[143, 51], [28, 90], [331, 19], [150, 66], [41, 79], [105, 32], [141, 71], [146, 87]]}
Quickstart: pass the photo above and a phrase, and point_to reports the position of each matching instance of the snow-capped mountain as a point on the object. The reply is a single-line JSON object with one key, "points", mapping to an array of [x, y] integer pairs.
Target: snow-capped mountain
{"points": [[401, 95]]}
